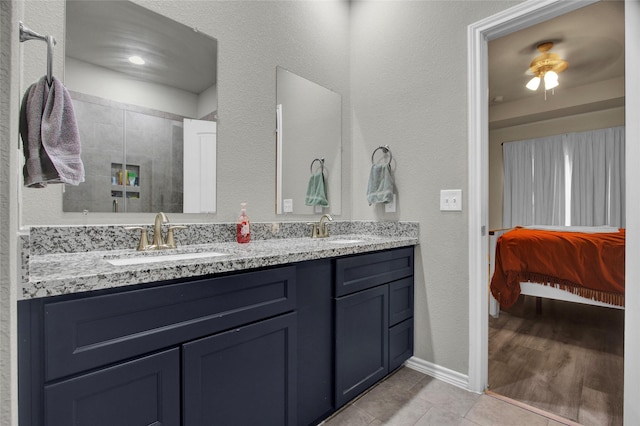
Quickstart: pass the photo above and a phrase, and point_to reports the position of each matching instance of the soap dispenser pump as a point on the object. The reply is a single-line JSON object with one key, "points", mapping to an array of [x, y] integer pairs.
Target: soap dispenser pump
{"points": [[243, 228]]}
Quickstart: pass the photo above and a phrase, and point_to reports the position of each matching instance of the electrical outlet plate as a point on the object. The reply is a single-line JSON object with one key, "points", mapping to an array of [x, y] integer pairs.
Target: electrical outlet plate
{"points": [[287, 205], [451, 200], [390, 207]]}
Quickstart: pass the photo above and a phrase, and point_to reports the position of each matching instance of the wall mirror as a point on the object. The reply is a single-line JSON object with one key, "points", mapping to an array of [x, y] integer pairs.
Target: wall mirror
{"points": [[309, 141], [144, 91]]}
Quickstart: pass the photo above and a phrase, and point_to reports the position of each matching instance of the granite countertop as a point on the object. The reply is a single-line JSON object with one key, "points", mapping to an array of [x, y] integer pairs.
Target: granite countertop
{"points": [[66, 273]]}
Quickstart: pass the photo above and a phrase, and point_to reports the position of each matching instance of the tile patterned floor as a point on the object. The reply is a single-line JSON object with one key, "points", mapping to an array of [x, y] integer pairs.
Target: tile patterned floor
{"points": [[410, 398]]}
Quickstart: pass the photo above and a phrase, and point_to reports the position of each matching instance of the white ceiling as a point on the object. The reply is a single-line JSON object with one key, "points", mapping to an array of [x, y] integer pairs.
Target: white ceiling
{"points": [[591, 39], [106, 33]]}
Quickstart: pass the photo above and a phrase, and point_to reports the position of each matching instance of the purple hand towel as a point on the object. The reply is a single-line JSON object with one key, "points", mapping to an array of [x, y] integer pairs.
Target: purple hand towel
{"points": [[51, 141]]}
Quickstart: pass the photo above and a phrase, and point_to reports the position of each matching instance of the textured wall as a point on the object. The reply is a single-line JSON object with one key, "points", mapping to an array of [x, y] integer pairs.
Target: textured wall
{"points": [[409, 90], [8, 211], [309, 38]]}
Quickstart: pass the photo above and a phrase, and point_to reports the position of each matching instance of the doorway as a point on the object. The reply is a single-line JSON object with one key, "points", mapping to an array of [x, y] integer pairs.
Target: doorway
{"points": [[511, 20]]}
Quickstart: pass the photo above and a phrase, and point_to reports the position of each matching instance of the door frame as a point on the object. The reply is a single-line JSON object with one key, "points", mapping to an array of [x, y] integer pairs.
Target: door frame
{"points": [[478, 35]]}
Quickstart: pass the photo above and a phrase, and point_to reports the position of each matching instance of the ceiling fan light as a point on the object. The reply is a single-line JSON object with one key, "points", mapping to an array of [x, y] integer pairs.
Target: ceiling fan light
{"points": [[533, 83], [135, 59], [550, 80]]}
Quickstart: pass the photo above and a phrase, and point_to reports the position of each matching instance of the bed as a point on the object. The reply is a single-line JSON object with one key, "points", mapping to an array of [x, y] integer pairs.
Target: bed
{"points": [[575, 264]]}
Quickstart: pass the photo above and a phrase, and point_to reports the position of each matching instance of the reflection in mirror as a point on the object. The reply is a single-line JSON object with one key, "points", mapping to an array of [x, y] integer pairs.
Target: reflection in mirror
{"points": [[145, 97], [309, 123]]}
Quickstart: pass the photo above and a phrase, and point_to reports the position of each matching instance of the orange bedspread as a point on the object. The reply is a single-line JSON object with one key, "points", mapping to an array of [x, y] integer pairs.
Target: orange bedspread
{"points": [[590, 265]]}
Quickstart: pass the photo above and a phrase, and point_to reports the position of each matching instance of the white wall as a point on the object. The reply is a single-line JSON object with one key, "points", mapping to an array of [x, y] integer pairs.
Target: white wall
{"points": [[208, 101], [409, 90], [632, 271], [8, 213], [575, 123]]}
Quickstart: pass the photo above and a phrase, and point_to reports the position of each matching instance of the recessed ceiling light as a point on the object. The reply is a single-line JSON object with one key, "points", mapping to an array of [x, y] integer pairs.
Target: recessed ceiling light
{"points": [[136, 60]]}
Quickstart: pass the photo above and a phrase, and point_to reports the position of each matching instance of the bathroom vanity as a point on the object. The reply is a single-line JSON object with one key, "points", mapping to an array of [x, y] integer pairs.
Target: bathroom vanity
{"points": [[282, 344]]}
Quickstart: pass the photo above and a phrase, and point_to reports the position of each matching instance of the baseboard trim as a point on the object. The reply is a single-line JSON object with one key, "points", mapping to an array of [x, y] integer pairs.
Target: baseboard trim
{"points": [[439, 372]]}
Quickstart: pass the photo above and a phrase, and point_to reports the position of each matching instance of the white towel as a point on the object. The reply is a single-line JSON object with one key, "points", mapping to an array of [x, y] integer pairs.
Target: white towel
{"points": [[380, 187], [51, 141]]}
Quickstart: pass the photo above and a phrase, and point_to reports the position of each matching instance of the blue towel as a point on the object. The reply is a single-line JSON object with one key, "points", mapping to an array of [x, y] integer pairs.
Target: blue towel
{"points": [[50, 137], [380, 188], [316, 192]]}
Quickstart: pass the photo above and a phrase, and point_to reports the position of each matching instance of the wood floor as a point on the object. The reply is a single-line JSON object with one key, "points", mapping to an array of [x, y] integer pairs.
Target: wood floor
{"points": [[568, 360]]}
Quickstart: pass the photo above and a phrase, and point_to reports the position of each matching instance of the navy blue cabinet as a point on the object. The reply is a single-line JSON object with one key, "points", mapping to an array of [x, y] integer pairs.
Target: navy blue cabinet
{"points": [[97, 330], [374, 319], [114, 357], [287, 345]]}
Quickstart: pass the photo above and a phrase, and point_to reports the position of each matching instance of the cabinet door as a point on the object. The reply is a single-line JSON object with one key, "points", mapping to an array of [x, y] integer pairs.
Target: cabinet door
{"points": [[136, 393], [245, 376], [362, 333]]}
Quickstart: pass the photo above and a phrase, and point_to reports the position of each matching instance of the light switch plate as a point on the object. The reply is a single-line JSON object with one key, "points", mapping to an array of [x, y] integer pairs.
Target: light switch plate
{"points": [[451, 200], [287, 205]]}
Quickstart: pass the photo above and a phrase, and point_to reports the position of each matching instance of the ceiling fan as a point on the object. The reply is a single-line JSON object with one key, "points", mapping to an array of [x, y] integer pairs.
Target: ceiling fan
{"points": [[546, 67]]}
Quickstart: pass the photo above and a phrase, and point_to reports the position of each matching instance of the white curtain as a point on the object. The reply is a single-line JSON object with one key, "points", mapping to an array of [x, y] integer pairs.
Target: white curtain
{"points": [[535, 191], [597, 177], [548, 182], [517, 204]]}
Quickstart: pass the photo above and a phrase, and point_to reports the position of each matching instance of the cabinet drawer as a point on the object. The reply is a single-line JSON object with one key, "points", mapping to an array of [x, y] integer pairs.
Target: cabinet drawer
{"points": [[364, 271], [400, 343], [400, 300], [141, 392], [86, 333]]}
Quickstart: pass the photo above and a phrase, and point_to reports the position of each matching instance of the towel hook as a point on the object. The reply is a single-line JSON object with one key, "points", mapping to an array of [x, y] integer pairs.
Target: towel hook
{"points": [[321, 160], [28, 34], [385, 149]]}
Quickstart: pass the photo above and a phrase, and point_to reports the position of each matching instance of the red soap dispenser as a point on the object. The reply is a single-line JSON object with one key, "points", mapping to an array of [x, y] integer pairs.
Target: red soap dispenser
{"points": [[243, 228]]}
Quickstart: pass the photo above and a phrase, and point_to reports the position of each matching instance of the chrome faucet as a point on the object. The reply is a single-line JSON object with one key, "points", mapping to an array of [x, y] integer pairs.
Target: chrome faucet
{"points": [[320, 229]]}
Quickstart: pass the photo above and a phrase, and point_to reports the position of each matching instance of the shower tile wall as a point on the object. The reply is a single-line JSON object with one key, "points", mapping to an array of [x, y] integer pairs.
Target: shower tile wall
{"points": [[101, 135], [153, 142]]}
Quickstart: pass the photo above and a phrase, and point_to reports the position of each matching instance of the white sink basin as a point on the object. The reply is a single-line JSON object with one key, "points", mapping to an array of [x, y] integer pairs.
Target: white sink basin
{"points": [[138, 260], [344, 241]]}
